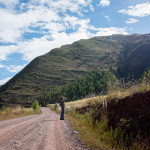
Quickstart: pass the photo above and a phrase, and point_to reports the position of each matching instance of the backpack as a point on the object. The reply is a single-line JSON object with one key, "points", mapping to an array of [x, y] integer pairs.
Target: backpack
{"points": [[60, 103]]}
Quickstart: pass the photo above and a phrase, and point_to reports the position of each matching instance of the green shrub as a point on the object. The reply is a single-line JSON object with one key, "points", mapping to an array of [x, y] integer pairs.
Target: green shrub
{"points": [[55, 106], [36, 105]]}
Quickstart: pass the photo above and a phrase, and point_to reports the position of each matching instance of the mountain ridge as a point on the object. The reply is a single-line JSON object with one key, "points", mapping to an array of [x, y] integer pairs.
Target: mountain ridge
{"points": [[123, 54]]}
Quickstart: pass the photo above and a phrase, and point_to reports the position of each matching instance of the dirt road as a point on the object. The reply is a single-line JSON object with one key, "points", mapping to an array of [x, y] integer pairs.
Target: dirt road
{"points": [[38, 132]]}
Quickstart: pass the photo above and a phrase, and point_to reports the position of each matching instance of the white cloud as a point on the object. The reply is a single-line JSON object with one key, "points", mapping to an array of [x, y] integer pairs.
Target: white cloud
{"points": [[76, 23], [35, 13], [91, 8], [6, 50], [12, 28], [107, 17], [9, 3], [111, 31], [132, 20], [3, 81], [75, 6], [139, 10], [39, 46], [13, 68], [55, 25], [2, 66], [104, 3]]}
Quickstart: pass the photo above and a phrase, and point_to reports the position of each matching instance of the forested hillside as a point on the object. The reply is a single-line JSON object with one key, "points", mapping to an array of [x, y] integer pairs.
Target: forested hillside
{"points": [[94, 82], [123, 55]]}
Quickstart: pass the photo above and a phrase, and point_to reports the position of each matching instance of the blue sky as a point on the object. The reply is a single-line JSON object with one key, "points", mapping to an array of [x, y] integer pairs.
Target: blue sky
{"points": [[30, 28]]}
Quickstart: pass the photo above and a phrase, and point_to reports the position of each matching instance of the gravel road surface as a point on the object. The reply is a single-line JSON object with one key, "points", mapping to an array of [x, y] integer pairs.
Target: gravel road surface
{"points": [[38, 132]]}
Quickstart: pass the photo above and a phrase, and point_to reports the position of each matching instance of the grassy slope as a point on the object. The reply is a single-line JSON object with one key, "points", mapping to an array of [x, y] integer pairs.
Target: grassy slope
{"points": [[72, 61]]}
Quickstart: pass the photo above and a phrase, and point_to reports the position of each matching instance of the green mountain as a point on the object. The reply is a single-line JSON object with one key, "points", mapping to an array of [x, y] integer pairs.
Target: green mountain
{"points": [[121, 54]]}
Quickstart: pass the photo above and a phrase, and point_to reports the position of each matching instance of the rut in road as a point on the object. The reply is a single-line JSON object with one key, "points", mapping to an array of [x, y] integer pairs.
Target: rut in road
{"points": [[38, 132]]}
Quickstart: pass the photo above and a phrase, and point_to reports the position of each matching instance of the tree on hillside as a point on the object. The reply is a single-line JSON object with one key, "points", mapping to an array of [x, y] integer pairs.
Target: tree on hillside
{"points": [[145, 76], [94, 82]]}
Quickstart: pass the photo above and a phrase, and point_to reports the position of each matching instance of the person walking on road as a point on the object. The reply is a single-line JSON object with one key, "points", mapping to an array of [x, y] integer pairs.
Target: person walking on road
{"points": [[62, 105]]}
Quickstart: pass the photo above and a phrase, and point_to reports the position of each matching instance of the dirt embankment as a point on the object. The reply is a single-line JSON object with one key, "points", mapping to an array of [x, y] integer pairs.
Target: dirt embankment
{"points": [[38, 132], [133, 109], [136, 108]]}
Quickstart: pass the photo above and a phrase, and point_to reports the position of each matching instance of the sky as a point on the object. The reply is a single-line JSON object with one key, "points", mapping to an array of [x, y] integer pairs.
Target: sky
{"points": [[30, 28]]}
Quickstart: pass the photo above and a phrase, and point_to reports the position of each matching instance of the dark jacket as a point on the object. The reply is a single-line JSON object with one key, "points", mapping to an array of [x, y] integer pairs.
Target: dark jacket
{"points": [[62, 103]]}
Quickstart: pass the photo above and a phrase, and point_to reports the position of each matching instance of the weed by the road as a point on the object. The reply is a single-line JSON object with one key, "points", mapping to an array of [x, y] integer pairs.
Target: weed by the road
{"points": [[56, 106], [15, 112], [36, 105], [77, 104], [87, 132], [100, 135], [121, 89]]}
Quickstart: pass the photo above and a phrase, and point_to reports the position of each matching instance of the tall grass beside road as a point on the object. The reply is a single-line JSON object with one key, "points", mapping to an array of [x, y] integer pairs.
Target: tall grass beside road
{"points": [[121, 89], [99, 136], [73, 105], [18, 111]]}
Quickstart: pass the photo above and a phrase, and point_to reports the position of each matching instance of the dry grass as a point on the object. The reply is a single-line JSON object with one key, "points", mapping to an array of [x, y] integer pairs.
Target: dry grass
{"points": [[10, 112], [79, 103], [122, 92], [83, 102], [118, 91], [87, 133], [99, 136]]}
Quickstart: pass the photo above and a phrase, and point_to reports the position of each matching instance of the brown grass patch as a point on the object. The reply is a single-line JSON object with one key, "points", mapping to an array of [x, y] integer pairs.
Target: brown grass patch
{"points": [[11, 112], [77, 104], [119, 92]]}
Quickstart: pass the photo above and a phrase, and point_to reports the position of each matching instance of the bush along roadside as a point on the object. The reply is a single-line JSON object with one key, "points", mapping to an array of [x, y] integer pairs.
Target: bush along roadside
{"points": [[117, 124], [99, 135], [10, 112], [36, 105]]}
